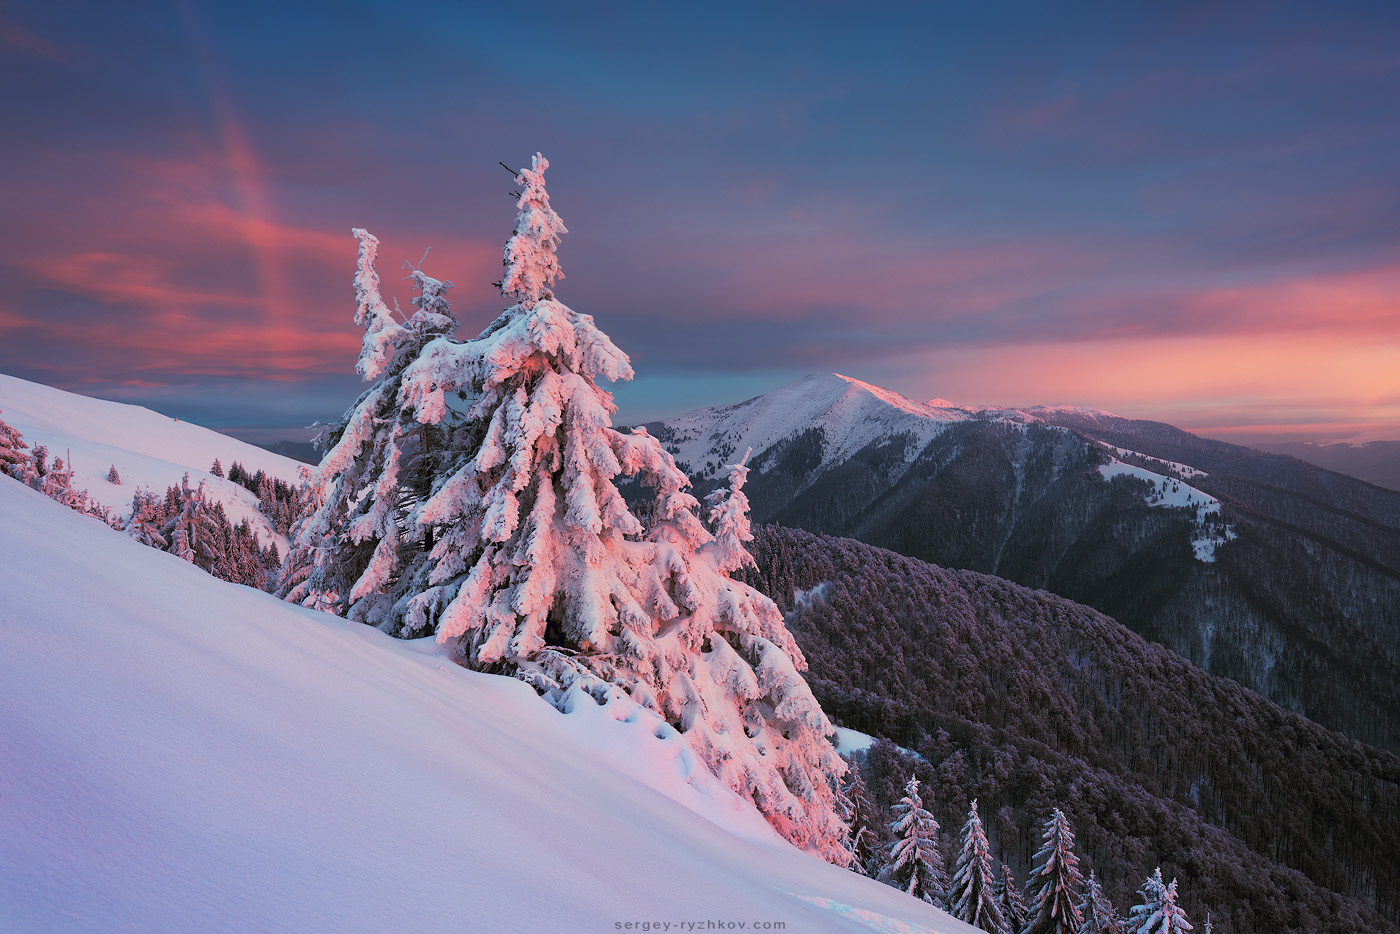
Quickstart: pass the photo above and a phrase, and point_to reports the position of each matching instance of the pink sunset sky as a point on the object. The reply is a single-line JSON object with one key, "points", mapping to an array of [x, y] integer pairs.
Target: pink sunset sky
{"points": [[1190, 215]]}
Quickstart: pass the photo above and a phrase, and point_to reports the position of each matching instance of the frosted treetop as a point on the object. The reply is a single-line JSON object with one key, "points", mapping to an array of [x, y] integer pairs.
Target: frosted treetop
{"points": [[531, 265]]}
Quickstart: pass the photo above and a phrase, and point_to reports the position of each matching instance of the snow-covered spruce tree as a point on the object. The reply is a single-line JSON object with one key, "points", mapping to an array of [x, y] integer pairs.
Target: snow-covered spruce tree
{"points": [[1054, 883], [113, 477], [146, 520], [14, 459], [1100, 917], [915, 865], [195, 531], [58, 485], [1159, 912], [970, 895], [858, 812], [379, 460], [524, 556], [1009, 901]]}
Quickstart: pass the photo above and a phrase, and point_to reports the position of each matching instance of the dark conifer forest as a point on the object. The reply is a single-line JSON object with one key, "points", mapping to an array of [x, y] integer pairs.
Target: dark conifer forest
{"points": [[1300, 605], [1027, 701]]}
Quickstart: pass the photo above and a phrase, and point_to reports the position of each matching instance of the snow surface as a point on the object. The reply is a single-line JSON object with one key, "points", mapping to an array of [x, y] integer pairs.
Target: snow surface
{"points": [[1032, 415], [853, 414], [850, 741], [1183, 470], [148, 449], [1173, 493], [179, 753]]}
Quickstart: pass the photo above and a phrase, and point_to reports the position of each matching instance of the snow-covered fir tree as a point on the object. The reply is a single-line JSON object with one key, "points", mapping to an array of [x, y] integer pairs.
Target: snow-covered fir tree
{"points": [[57, 485], [113, 477], [146, 520], [970, 894], [379, 462], [216, 469], [915, 864], [858, 812], [1054, 883], [194, 530], [1100, 917], [1009, 901], [1159, 912], [14, 457], [523, 555]]}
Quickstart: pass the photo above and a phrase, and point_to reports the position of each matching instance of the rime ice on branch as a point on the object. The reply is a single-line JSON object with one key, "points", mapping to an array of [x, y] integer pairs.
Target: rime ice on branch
{"points": [[1055, 881], [915, 865], [348, 555], [971, 896], [523, 554]]}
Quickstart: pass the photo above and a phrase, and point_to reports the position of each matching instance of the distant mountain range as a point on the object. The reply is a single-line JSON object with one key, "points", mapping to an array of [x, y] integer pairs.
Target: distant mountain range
{"points": [[1375, 462], [1258, 567], [303, 451]]}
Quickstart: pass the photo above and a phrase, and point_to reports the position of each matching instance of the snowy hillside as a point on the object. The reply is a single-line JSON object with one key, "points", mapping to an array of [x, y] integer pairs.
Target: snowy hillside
{"points": [[852, 414], [819, 423], [178, 753], [1170, 492], [148, 449]]}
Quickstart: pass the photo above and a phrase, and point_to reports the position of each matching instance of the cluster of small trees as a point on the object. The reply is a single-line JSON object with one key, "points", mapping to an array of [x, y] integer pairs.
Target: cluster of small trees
{"points": [[283, 503], [1057, 899], [53, 479], [187, 522]]}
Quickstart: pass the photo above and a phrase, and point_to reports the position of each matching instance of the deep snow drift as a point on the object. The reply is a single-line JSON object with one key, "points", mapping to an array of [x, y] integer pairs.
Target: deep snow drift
{"points": [[178, 753]]}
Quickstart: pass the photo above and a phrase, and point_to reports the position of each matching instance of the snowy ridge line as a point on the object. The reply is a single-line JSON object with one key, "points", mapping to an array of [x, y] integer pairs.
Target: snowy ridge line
{"points": [[1209, 530], [850, 413], [1030, 415], [1184, 471]]}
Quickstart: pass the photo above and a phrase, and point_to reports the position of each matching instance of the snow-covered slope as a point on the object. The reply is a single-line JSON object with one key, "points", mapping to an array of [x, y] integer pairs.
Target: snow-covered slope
{"points": [[852, 414], [1170, 492], [848, 416], [148, 449], [178, 753]]}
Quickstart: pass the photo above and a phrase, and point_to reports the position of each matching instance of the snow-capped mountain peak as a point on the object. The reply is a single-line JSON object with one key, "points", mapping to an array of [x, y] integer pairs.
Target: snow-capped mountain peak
{"points": [[903, 403], [847, 414]]}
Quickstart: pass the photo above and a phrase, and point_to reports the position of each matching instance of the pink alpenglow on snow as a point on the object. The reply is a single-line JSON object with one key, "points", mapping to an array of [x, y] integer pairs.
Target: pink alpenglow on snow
{"points": [[501, 528], [184, 754]]}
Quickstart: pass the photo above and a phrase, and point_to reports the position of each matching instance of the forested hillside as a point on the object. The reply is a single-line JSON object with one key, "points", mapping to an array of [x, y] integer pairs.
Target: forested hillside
{"points": [[1025, 700], [1299, 602]]}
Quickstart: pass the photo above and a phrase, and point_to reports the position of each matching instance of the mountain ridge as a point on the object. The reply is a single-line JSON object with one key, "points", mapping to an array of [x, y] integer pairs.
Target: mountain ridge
{"points": [[1283, 576]]}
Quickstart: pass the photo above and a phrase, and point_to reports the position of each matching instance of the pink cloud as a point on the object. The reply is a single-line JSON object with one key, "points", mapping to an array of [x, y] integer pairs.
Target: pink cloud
{"points": [[199, 283]]}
